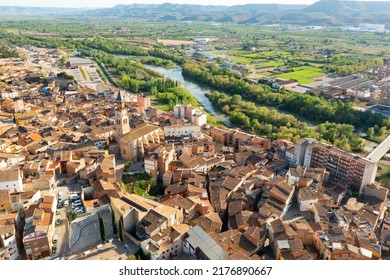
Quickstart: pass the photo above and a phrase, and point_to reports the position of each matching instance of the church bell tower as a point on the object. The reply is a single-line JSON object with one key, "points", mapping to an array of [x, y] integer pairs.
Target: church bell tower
{"points": [[121, 119]]}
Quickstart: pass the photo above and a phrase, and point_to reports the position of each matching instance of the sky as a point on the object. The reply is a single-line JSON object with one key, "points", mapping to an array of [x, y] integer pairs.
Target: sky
{"points": [[111, 3]]}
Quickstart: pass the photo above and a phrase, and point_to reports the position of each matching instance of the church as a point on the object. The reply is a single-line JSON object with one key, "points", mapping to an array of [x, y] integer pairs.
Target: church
{"points": [[133, 142]]}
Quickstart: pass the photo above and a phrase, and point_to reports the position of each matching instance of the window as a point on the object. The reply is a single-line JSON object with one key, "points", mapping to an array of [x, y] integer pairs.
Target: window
{"points": [[124, 151]]}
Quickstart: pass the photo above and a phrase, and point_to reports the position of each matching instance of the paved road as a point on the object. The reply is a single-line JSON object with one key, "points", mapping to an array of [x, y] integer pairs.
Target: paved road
{"points": [[293, 214], [119, 169], [380, 150], [62, 231]]}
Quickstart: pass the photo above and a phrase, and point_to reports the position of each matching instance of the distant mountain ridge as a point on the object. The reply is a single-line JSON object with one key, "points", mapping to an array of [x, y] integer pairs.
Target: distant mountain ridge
{"points": [[36, 11], [331, 6], [324, 12]]}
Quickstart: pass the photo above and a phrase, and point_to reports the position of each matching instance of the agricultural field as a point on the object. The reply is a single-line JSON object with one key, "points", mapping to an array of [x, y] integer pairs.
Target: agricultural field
{"points": [[304, 74]]}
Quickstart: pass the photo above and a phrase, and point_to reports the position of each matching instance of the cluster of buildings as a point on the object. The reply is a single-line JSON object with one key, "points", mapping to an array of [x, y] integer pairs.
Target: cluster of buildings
{"points": [[224, 194]]}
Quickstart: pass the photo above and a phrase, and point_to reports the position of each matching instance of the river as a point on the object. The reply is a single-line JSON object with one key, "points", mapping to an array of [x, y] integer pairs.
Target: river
{"points": [[199, 92]]}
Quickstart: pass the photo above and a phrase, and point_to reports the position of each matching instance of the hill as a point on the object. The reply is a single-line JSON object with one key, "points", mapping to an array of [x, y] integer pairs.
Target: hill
{"points": [[324, 12]]}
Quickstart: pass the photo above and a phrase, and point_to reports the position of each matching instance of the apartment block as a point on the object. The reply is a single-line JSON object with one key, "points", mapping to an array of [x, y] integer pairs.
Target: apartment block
{"points": [[385, 95], [357, 171], [193, 115]]}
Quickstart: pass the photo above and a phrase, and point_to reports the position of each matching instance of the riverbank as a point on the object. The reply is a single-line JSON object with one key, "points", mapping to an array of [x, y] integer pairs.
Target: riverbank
{"points": [[199, 92]]}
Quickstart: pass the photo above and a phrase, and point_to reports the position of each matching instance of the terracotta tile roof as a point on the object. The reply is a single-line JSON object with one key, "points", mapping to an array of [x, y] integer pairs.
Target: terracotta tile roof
{"points": [[48, 199], [179, 201], [4, 197], [4, 229], [7, 175], [35, 136], [8, 218], [139, 132]]}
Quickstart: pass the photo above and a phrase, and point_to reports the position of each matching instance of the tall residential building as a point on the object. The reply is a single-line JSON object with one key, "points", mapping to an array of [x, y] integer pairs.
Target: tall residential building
{"points": [[143, 101], [357, 171], [187, 112], [121, 119], [299, 152], [385, 95], [199, 118]]}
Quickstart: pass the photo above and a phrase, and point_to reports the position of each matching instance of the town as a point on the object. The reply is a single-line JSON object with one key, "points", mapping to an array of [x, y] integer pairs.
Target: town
{"points": [[93, 171]]}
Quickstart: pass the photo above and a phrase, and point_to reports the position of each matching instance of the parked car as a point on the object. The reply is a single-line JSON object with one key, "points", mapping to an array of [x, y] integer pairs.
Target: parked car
{"points": [[66, 203], [58, 221]]}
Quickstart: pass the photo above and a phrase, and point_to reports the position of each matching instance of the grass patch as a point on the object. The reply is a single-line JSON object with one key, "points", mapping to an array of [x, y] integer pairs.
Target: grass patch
{"points": [[383, 177], [303, 76], [241, 59], [211, 120], [141, 184], [163, 108], [140, 191], [376, 139]]}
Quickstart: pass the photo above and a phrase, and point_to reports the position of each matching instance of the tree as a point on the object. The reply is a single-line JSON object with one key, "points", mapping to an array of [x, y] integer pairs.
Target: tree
{"points": [[113, 220], [255, 125], [121, 231], [370, 132], [382, 131], [236, 99], [225, 109], [127, 165], [267, 129], [71, 215], [102, 228]]}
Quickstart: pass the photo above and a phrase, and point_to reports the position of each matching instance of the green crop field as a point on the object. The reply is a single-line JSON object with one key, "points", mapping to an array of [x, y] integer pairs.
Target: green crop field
{"points": [[242, 59], [303, 76]]}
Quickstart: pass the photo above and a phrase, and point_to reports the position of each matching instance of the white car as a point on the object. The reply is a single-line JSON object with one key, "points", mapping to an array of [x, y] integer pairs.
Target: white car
{"points": [[66, 203]]}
